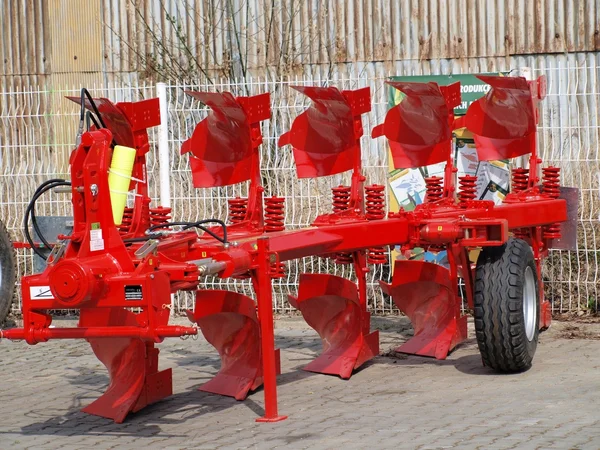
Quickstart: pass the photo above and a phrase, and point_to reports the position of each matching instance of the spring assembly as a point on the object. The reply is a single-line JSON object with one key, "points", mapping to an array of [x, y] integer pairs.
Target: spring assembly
{"points": [[343, 258], [160, 215], [341, 202], [238, 207], [520, 179], [433, 189], [551, 181], [551, 185], [521, 233], [274, 214], [375, 210], [126, 221], [468, 188], [277, 270], [341, 198], [377, 255], [375, 202]]}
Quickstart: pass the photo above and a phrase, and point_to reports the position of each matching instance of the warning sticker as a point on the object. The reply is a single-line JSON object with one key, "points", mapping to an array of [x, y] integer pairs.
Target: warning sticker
{"points": [[96, 234], [40, 293], [96, 240]]}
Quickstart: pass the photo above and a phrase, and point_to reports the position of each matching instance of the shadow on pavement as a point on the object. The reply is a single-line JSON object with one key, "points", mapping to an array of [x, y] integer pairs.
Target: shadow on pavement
{"points": [[179, 408]]}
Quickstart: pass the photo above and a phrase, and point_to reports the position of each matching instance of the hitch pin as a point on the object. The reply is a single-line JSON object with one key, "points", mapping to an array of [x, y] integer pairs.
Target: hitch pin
{"points": [[210, 268]]}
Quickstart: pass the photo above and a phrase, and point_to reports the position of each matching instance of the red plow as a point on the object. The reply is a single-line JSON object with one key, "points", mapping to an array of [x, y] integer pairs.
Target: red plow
{"points": [[119, 268]]}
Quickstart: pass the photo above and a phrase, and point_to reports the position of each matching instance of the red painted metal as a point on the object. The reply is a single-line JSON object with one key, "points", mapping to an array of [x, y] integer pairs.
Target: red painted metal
{"points": [[126, 221], [434, 190], [551, 186], [331, 305], [520, 179], [160, 215], [223, 145], [419, 127], [324, 137], [238, 208], [132, 364], [274, 214], [503, 122], [224, 151], [375, 210], [341, 198], [106, 275], [262, 284], [424, 292], [229, 322], [468, 188]]}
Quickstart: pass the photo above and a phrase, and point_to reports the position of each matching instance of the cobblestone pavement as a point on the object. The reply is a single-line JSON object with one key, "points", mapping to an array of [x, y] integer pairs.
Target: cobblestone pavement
{"points": [[393, 402]]}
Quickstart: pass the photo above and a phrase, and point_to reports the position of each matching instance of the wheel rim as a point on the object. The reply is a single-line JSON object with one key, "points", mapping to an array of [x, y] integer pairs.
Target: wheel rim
{"points": [[529, 303]]}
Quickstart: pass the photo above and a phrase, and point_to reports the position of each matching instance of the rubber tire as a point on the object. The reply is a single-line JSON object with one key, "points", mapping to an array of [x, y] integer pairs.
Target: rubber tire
{"points": [[7, 273], [498, 301]]}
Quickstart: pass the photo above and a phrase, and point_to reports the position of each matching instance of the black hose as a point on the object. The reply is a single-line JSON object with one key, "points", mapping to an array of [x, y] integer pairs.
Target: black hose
{"points": [[198, 224], [142, 238], [89, 119], [29, 210], [30, 214], [85, 93]]}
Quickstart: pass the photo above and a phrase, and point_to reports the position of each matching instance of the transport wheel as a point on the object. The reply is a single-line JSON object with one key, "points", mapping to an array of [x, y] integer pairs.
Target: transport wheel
{"points": [[7, 273], [507, 306]]}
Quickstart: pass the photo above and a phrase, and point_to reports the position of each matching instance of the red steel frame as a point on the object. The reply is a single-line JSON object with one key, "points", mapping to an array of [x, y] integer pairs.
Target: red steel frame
{"points": [[122, 290]]}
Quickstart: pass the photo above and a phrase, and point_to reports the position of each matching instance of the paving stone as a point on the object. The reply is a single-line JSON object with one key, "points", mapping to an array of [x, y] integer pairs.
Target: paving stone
{"points": [[394, 402]]}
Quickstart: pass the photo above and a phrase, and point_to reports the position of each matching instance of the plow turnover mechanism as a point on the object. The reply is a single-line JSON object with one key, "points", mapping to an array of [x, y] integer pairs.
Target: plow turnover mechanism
{"points": [[122, 263]]}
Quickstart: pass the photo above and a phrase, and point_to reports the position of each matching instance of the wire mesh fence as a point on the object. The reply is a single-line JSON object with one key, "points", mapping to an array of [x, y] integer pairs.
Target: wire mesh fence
{"points": [[39, 126]]}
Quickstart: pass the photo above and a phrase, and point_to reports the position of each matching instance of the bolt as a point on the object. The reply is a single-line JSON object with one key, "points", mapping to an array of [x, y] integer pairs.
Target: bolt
{"points": [[152, 276], [94, 189]]}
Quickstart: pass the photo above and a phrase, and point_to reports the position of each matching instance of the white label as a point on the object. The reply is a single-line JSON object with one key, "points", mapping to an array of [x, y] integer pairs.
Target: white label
{"points": [[96, 235], [40, 293], [96, 244]]}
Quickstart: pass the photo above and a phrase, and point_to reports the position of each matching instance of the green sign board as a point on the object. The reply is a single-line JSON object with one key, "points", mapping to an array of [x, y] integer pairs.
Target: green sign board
{"points": [[471, 87]]}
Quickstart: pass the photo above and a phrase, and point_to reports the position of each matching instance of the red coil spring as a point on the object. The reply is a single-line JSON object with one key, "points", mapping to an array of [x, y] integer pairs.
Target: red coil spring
{"points": [[344, 258], [238, 207], [274, 214], [521, 233], [341, 198], [551, 181], [375, 202], [377, 255], [277, 270], [375, 210], [520, 179], [433, 189], [126, 221], [341, 202], [468, 188], [160, 215], [551, 184]]}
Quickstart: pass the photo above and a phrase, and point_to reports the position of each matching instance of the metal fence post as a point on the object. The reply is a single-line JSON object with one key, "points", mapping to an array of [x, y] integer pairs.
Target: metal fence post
{"points": [[164, 163]]}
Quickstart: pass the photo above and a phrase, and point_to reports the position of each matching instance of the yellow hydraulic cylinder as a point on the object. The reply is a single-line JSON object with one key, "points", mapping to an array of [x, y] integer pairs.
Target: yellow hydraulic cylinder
{"points": [[119, 178]]}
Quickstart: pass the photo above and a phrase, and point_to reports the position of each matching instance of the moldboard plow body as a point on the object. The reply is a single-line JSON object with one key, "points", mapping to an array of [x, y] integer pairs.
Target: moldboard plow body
{"points": [[121, 264]]}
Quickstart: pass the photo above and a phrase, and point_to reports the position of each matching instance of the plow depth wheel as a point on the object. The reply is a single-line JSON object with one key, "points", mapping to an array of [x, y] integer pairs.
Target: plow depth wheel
{"points": [[7, 272], [507, 306]]}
